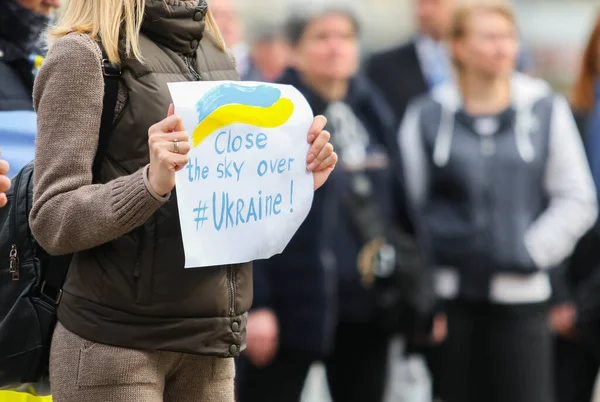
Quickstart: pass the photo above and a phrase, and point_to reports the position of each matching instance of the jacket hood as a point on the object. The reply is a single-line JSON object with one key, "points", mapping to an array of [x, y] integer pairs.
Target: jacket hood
{"points": [[178, 25], [525, 92]]}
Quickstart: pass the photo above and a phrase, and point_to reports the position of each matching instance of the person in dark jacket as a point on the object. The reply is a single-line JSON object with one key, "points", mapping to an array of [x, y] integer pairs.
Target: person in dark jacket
{"points": [[414, 68], [21, 55], [309, 301], [575, 316], [501, 194], [404, 73], [21, 23]]}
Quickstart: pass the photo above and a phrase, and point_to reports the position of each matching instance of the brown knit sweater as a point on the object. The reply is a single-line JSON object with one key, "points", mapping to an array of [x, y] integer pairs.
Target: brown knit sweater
{"points": [[69, 213]]}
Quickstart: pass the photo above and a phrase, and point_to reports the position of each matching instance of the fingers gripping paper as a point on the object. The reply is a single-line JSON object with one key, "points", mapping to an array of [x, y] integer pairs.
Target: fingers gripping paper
{"points": [[245, 190]]}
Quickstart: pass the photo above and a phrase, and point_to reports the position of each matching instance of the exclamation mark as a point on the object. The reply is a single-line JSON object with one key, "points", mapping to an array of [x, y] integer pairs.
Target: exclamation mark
{"points": [[292, 195]]}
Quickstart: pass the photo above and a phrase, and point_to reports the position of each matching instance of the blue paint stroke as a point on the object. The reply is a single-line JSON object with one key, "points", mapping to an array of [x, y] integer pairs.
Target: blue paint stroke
{"points": [[230, 93]]}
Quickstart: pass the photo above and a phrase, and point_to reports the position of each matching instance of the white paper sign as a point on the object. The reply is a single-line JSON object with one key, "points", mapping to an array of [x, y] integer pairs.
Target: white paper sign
{"points": [[246, 189]]}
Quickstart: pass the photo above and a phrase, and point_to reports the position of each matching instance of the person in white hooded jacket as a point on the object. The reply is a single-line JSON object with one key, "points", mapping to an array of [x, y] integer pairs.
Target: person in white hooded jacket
{"points": [[501, 192]]}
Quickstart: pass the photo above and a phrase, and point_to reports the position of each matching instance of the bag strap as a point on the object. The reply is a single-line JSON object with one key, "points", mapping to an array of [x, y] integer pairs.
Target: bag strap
{"points": [[112, 76], [58, 266]]}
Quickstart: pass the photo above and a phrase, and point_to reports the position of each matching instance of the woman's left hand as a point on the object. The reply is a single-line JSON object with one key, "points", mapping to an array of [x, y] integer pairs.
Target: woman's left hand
{"points": [[321, 159]]}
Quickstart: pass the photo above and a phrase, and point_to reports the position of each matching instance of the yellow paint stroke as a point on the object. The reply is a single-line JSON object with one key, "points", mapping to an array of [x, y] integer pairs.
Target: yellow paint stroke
{"points": [[269, 117]]}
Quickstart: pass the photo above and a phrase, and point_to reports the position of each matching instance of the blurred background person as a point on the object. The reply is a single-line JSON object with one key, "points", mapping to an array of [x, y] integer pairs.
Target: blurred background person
{"points": [[406, 72], [414, 68], [575, 317], [21, 54], [269, 53], [265, 56], [501, 193], [227, 17], [21, 25], [310, 302]]}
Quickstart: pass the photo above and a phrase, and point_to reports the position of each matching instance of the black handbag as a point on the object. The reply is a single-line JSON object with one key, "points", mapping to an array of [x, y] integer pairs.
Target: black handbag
{"points": [[391, 265], [390, 262]]}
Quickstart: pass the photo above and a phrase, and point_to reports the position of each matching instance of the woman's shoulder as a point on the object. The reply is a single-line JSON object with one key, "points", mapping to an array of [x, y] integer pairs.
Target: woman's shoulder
{"points": [[75, 46], [73, 63], [75, 53]]}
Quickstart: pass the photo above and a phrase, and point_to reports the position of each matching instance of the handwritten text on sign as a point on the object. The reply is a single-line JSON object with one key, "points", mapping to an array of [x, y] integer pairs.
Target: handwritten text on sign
{"points": [[246, 190]]}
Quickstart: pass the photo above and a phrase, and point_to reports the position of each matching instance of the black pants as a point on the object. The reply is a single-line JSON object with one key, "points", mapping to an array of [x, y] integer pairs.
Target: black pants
{"points": [[575, 371], [356, 370], [496, 353]]}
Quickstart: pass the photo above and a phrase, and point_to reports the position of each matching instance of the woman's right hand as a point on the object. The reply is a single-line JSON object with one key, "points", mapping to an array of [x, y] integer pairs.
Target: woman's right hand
{"points": [[169, 147]]}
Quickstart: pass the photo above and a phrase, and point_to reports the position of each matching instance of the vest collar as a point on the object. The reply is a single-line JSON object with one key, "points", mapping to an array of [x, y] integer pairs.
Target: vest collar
{"points": [[178, 27]]}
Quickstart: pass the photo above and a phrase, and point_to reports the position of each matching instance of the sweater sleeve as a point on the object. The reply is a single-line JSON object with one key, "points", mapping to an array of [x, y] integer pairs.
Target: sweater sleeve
{"points": [[69, 213], [573, 208]]}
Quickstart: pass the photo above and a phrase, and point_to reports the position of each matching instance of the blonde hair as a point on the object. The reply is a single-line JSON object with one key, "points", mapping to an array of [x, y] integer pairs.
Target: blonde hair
{"points": [[463, 11], [109, 19], [465, 8]]}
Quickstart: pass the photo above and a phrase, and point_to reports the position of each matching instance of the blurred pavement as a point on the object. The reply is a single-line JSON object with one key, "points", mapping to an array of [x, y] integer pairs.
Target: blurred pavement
{"points": [[406, 384]]}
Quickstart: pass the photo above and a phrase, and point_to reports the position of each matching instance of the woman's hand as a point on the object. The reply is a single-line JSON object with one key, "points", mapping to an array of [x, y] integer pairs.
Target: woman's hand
{"points": [[263, 337], [4, 182], [321, 158], [440, 329], [169, 147], [563, 319]]}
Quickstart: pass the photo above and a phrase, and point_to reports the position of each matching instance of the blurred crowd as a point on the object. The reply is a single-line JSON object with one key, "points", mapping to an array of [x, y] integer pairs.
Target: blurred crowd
{"points": [[462, 214], [491, 178]]}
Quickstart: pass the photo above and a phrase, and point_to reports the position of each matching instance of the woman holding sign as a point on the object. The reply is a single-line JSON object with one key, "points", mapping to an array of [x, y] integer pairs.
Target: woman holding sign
{"points": [[133, 323]]}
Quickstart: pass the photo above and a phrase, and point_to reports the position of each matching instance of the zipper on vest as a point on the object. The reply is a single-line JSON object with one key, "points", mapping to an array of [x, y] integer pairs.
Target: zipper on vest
{"points": [[187, 61], [231, 273]]}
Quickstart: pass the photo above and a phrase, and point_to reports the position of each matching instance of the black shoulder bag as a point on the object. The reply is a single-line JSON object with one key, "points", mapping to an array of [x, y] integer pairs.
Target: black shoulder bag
{"points": [[390, 264]]}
